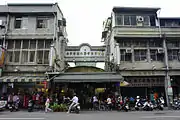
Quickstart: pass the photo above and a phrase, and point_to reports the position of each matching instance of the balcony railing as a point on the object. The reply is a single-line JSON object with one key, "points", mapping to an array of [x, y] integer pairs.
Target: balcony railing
{"points": [[136, 31], [139, 31]]}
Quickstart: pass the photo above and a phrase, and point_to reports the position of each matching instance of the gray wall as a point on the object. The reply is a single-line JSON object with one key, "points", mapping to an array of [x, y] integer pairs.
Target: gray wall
{"points": [[29, 26]]}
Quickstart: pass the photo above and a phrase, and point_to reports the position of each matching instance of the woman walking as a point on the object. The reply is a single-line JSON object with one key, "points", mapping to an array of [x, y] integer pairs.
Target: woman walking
{"points": [[47, 104]]}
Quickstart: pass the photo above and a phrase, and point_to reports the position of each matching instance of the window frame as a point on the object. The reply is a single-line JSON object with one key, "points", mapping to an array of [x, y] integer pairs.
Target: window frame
{"points": [[44, 23], [130, 16], [15, 22], [140, 55]]}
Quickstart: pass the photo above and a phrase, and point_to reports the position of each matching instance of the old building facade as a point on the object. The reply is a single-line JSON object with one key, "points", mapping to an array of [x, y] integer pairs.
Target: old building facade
{"points": [[144, 48], [28, 33]]}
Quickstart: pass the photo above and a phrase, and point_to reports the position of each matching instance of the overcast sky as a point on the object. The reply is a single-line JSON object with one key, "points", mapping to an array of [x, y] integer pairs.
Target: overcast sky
{"points": [[85, 17]]}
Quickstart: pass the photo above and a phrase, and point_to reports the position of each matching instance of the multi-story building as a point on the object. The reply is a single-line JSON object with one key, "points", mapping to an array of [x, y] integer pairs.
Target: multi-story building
{"points": [[145, 49], [28, 33]]}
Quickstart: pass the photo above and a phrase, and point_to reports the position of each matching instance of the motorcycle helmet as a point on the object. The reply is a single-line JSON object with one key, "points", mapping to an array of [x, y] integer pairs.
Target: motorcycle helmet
{"points": [[137, 97]]}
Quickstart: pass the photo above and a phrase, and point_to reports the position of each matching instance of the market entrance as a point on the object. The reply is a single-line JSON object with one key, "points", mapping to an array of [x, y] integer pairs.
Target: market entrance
{"points": [[85, 85], [85, 91]]}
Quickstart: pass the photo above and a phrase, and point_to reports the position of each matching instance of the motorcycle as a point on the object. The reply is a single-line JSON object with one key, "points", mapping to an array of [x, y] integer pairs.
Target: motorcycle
{"points": [[30, 106], [75, 108], [13, 106], [143, 105], [3, 103], [176, 104], [148, 106], [123, 106], [159, 104], [139, 104]]}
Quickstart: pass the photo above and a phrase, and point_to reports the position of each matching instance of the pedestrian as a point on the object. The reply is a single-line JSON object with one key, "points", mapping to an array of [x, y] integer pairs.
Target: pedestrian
{"points": [[47, 104]]}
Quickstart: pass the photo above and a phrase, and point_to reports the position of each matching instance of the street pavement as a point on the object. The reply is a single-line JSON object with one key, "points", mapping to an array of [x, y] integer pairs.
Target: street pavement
{"points": [[92, 115]]}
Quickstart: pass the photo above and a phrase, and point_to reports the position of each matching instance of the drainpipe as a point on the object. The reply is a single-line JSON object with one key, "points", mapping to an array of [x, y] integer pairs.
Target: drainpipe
{"points": [[6, 31], [54, 45]]}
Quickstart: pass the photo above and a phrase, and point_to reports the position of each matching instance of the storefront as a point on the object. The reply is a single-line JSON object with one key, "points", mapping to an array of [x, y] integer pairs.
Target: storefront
{"points": [[85, 85], [23, 84]]}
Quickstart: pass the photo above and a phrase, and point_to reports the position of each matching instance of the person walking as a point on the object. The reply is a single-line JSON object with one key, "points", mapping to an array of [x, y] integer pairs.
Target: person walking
{"points": [[47, 104]]}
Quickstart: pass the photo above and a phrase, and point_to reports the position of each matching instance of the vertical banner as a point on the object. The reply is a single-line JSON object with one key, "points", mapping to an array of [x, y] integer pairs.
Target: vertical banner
{"points": [[2, 55]]}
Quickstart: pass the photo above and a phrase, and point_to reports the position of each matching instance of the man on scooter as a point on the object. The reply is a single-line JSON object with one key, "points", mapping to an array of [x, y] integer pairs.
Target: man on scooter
{"points": [[74, 102]]}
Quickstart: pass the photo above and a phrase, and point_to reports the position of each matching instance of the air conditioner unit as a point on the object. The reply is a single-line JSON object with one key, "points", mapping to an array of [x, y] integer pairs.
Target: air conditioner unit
{"points": [[139, 18], [128, 51], [160, 50]]}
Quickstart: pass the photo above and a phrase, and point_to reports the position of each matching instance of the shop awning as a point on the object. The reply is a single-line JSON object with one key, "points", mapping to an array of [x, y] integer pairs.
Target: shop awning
{"points": [[23, 79], [89, 77]]}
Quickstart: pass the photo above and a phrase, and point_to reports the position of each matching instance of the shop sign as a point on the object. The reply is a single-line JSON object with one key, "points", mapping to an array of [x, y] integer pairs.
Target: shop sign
{"points": [[143, 73], [99, 90]]}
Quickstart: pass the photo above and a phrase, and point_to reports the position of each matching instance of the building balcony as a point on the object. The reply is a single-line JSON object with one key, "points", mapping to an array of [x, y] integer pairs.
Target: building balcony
{"points": [[171, 31], [135, 31], [138, 31]]}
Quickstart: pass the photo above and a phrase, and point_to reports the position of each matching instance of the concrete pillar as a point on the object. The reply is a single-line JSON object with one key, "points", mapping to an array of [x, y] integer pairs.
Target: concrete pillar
{"points": [[168, 87], [148, 53], [132, 48]]}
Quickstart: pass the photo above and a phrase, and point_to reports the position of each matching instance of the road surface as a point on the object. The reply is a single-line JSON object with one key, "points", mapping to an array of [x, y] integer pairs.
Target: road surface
{"points": [[91, 115]]}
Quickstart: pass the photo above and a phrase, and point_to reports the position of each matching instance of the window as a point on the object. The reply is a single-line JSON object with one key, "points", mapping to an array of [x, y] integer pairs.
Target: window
{"points": [[39, 57], [41, 22], [24, 57], [17, 22], [125, 56], [10, 44], [140, 43], [46, 57], [172, 44], [16, 56], [155, 56], [126, 20], [25, 44], [140, 55], [32, 56], [32, 44], [131, 20], [172, 23], [173, 55], [17, 44], [146, 21], [155, 43], [40, 44], [125, 43], [10, 56], [119, 20], [47, 43]]}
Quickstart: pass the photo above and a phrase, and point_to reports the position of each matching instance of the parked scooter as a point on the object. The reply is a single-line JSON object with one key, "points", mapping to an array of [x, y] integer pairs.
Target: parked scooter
{"points": [[30, 106], [139, 104], [159, 104], [123, 106], [3, 103], [176, 104], [148, 106], [143, 104], [13, 106]]}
